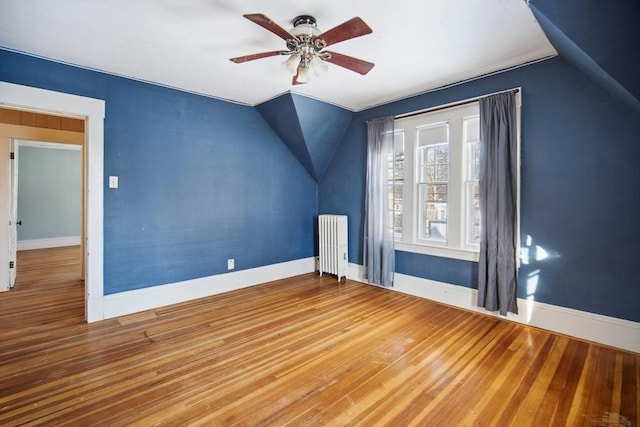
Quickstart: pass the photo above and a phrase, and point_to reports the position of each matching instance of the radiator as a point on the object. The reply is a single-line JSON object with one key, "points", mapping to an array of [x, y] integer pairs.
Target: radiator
{"points": [[332, 242]]}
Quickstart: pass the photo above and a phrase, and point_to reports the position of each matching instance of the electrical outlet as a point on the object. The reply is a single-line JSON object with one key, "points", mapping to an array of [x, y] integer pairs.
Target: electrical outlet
{"points": [[113, 182], [230, 264]]}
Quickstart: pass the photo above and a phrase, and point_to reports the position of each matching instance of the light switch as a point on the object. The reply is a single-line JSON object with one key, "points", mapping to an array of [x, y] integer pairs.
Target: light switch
{"points": [[113, 182]]}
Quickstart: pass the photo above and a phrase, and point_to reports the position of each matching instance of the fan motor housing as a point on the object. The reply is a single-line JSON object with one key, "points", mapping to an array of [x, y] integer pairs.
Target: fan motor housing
{"points": [[304, 19]]}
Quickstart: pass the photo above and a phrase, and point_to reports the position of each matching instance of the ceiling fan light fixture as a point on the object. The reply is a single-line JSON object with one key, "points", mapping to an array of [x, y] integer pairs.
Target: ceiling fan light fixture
{"points": [[305, 46], [291, 64], [305, 30], [318, 65]]}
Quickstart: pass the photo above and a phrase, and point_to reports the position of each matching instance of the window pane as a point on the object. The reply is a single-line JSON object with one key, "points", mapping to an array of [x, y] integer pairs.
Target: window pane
{"points": [[473, 203], [473, 160], [398, 167], [433, 211], [397, 195], [433, 163], [397, 224]]}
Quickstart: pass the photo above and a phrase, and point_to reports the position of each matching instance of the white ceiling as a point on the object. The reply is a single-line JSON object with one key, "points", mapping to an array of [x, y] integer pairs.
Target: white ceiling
{"points": [[417, 45]]}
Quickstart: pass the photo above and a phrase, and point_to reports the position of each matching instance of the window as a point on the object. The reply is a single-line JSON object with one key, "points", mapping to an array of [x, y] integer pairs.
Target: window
{"points": [[433, 182]]}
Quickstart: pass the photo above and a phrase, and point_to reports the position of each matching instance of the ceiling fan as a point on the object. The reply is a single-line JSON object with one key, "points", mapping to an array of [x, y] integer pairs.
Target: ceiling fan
{"points": [[306, 43]]}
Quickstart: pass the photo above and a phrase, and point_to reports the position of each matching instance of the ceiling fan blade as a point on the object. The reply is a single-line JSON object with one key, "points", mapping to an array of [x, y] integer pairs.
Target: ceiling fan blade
{"points": [[349, 62], [354, 27], [266, 23], [241, 59]]}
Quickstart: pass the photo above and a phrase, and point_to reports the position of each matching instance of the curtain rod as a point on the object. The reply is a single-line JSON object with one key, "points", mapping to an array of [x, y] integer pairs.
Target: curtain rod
{"points": [[453, 104]]}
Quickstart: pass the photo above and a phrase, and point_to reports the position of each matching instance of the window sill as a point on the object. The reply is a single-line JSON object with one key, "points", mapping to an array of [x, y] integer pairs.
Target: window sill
{"points": [[466, 255]]}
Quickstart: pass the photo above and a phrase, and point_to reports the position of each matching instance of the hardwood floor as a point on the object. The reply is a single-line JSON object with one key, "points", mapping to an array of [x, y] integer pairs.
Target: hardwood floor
{"points": [[301, 351]]}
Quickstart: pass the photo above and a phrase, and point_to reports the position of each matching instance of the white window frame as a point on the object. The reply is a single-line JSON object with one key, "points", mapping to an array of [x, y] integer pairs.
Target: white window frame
{"points": [[456, 245]]}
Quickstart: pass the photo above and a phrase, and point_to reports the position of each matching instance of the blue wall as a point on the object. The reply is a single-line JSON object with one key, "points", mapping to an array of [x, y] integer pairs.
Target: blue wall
{"points": [[580, 190], [200, 180]]}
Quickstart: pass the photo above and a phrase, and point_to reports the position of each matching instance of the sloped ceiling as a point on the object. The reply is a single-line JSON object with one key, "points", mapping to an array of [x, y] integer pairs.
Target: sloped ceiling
{"points": [[600, 37], [311, 129]]}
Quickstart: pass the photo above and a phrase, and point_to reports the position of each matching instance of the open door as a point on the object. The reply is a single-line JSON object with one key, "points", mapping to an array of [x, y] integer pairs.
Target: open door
{"points": [[5, 210], [13, 215], [8, 212]]}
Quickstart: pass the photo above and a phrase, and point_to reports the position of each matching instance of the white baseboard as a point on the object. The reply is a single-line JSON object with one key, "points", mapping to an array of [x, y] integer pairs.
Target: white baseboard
{"points": [[137, 300], [606, 330], [54, 242]]}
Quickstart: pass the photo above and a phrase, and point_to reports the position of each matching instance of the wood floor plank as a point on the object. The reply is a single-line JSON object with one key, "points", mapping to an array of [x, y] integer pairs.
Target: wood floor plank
{"points": [[300, 351]]}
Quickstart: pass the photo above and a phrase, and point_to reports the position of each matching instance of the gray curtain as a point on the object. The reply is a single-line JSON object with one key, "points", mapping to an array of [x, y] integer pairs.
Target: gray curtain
{"points": [[379, 255], [497, 272]]}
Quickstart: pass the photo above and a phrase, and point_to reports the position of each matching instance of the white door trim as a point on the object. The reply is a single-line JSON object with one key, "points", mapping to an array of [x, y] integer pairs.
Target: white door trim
{"points": [[24, 97]]}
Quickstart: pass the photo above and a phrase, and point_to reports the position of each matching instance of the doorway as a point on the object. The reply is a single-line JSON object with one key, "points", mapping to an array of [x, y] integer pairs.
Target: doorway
{"points": [[91, 111], [47, 174], [49, 217]]}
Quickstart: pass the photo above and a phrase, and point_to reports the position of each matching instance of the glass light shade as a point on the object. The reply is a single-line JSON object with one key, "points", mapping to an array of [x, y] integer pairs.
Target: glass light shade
{"points": [[291, 64], [305, 75], [304, 30], [318, 65]]}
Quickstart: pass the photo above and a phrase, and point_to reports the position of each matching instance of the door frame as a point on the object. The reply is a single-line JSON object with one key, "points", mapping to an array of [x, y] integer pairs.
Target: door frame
{"points": [[92, 110]]}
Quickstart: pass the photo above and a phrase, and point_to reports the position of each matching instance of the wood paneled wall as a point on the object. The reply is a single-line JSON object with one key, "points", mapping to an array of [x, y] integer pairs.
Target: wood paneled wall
{"points": [[40, 120]]}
